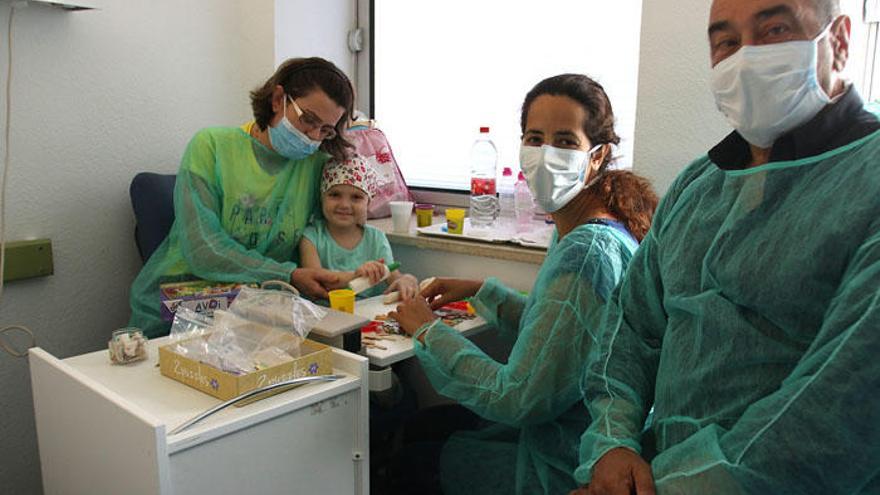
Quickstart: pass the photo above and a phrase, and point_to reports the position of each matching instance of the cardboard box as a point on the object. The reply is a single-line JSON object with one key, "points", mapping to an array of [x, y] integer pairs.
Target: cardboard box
{"points": [[201, 296], [315, 359]]}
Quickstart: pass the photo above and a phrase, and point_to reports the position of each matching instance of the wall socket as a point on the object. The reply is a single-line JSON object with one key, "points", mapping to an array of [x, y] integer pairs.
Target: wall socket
{"points": [[28, 259]]}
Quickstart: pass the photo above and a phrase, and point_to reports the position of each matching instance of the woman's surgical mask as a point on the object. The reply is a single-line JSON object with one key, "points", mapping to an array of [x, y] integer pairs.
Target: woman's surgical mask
{"points": [[765, 91], [289, 141], [555, 175]]}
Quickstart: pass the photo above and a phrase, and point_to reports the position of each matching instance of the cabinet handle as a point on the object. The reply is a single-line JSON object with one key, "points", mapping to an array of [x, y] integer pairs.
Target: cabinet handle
{"points": [[247, 395]]}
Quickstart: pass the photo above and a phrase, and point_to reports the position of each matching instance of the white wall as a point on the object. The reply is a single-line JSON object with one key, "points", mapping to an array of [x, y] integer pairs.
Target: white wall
{"points": [[306, 28], [676, 118], [98, 96]]}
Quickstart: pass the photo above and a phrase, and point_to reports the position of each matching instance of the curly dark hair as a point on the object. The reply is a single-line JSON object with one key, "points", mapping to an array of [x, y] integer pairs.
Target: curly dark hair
{"points": [[630, 198], [299, 77]]}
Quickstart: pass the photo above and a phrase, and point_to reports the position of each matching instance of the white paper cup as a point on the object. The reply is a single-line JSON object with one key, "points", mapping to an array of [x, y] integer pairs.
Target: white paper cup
{"points": [[401, 215]]}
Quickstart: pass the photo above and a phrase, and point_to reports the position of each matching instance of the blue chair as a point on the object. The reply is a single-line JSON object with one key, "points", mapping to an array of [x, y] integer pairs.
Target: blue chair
{"points": [[152, 198]]}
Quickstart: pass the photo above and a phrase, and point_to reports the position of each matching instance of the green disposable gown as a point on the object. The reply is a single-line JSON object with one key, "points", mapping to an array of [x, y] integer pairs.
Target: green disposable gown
{"points": [[749, 319], [240, 210], [535, 398]]}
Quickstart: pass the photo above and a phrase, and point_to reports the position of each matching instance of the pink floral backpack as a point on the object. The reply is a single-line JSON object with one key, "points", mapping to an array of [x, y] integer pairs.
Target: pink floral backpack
{"points": [[372, 144]]}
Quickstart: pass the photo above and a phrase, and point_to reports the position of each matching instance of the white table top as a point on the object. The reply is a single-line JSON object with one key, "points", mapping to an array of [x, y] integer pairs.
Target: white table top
{"points": [[401, 347], [171, 403], [337, 323]]}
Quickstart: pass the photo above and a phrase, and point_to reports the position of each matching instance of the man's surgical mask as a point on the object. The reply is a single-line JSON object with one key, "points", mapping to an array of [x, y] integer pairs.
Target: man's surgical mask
{"points": [[765, 91], [289, 141], [554, 175]]}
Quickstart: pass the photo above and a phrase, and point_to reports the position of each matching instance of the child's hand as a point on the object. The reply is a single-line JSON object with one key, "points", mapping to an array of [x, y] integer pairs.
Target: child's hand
{"points": [[406, 285], [374, 270]]}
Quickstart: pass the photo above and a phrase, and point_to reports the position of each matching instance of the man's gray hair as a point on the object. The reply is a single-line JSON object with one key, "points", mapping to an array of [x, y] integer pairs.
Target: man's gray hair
{"points": [[827, 10]]}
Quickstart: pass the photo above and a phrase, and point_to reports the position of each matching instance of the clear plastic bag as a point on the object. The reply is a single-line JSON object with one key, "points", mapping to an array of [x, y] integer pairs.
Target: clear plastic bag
{"points": [[187, 324], [277, 309], [261, 329], [188, 332]]}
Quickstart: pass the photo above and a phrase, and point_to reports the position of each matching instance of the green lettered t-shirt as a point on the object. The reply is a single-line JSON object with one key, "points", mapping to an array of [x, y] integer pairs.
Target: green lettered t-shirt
{"points": [[240, 210]]}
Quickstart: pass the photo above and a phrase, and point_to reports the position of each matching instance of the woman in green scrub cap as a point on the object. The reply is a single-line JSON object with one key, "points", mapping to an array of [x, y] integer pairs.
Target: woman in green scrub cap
{"points": [[244, 194]]}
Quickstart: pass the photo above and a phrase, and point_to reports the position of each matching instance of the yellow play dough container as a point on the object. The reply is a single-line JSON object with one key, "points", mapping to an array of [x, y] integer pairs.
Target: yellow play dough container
{"points": [[455, 220], [342, 300]]}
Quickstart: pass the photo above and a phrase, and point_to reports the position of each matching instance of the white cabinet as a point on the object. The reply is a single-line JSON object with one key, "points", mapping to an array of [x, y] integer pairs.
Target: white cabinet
{"points": [[105, 429]]}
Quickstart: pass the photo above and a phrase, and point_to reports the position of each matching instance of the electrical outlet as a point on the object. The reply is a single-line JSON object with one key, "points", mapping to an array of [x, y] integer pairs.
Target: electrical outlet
{"points": [[28, 259]]}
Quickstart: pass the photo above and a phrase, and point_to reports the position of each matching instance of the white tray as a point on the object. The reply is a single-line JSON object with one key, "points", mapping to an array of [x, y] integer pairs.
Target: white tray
{"points": [[538, 237], [470, 234]]}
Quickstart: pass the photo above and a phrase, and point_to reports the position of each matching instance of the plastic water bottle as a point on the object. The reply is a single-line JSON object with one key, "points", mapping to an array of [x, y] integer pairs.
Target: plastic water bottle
{"points": [[484, 160], [524, 205], [506, 200]]}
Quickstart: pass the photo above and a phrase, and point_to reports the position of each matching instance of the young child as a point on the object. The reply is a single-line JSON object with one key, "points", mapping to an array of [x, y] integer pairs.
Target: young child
{"points": [[342, 241]]}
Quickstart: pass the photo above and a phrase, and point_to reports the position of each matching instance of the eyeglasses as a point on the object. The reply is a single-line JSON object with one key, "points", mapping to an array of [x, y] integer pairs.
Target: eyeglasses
{"points": [[310, 122]]}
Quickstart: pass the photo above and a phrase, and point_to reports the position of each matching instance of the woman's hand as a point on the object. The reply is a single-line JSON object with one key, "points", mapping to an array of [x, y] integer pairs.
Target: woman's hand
{"points": [[313, 282], [443, 291], [406, 284], [412, 315], [342, 280], [621, 472], [374, 270]]}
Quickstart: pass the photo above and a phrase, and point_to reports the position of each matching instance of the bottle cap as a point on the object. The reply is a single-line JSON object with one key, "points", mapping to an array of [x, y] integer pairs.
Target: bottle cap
{"points": [[393, 266], [484, 130], [521, 176], [507, 172]]}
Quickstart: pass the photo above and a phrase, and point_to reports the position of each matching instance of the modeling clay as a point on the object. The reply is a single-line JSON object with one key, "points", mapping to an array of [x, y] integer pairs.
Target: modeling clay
{"points": [[452, 314]]}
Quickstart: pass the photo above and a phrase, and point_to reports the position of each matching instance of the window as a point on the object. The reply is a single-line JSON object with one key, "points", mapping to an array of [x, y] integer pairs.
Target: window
{"points": [[863, 68], [441, 70]]}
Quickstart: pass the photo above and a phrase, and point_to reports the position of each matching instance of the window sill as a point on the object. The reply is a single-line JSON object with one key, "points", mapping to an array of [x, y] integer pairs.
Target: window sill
{"points": [[499, 251]]}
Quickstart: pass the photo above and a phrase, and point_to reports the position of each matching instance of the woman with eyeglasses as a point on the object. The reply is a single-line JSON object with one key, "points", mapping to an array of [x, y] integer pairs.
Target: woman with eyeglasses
{"points": [[244, 194]]}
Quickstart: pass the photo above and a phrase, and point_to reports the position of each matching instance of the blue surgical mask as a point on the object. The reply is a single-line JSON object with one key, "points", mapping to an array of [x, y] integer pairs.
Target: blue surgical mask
{"points": [[290, 142]]}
